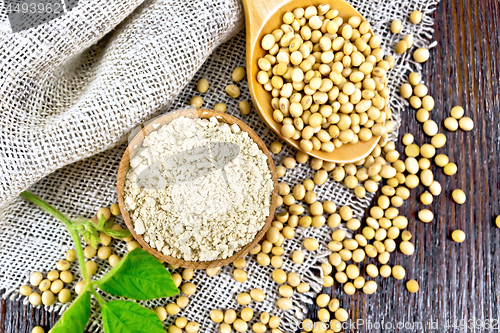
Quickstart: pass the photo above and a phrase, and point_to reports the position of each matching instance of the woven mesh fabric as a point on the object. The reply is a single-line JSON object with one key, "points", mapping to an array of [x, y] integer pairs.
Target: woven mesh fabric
{"points": [[106, 89], [66, 101]]}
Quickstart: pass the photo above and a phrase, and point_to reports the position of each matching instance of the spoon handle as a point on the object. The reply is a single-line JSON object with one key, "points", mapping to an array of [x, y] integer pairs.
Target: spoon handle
{"points": [[257, 12]]}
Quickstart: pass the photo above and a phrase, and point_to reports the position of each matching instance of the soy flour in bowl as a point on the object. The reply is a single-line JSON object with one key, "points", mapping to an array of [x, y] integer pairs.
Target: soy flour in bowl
{"points": [[198, 189]]}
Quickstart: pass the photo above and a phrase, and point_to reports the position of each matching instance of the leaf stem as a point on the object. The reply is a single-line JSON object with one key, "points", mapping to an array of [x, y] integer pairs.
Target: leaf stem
{"points": [[69, 225], [97, 296], [79, 254]]}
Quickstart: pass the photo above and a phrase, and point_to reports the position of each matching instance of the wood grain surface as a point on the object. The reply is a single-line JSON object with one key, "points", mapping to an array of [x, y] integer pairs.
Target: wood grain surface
{"points": [[457, 281]]}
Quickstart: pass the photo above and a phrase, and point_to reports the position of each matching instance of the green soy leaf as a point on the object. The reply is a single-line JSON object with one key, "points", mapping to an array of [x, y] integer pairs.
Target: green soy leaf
{"points": [[139, 276], [118, 233], [87, 237], [102, 222], [93, 242], [128, 317], [75, 318]]}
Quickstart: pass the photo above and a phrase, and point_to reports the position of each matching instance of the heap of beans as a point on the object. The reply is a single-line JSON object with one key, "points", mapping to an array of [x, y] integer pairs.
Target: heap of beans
{"points": [[327, 78], [384, 230]]}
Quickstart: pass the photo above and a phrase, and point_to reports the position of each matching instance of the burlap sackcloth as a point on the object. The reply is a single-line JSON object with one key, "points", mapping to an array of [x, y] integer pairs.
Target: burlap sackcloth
{"points": [[71, 90]]}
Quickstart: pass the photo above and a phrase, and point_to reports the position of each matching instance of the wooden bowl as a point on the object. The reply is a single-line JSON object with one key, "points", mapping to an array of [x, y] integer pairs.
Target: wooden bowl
{"points": [[262, 17], [136, 144]]}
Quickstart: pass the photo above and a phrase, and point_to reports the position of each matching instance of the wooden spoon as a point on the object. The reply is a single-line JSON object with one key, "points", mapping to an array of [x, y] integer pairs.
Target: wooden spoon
{"points": [[262, 17], [136, 144]]}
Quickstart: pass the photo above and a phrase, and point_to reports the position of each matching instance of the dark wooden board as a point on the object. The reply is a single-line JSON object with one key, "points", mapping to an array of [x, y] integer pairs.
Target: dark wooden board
{"points": [[457, 281]]}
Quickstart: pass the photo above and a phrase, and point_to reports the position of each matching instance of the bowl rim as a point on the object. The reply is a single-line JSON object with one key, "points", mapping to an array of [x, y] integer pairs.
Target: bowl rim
{"points": [[136, 143]]}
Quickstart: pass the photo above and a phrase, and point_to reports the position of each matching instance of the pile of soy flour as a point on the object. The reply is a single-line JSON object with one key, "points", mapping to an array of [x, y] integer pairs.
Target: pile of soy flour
{"points": [[189, 207]]}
